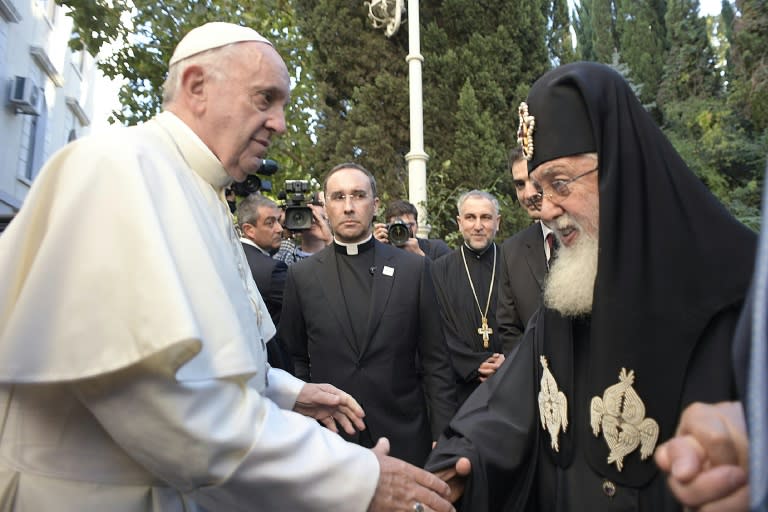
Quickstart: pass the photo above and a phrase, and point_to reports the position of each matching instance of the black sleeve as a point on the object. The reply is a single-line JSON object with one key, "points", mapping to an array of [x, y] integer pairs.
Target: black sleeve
{"points": [[508, 321], [438, 372], [497, 429]]}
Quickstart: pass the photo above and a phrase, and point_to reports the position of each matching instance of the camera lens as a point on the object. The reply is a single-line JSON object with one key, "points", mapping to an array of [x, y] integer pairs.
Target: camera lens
{"points": [[398, 233], [298, 218]]}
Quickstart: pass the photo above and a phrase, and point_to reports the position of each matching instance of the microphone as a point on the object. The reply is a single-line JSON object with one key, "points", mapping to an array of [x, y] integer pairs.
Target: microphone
{"points": [[372, 270]]}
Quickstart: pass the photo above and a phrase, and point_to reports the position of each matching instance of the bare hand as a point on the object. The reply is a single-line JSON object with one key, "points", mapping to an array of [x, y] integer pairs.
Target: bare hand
{"points": [[401, 486], [320, 219], [330, 405], [456, 477], [490, 366], [380, 232], [412, 245], [707, 458]]}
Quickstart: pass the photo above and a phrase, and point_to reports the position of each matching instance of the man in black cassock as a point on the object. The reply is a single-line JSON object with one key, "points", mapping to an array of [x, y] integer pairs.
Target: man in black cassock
{"points": [[360, 314], [466, 282], [639, 310]]}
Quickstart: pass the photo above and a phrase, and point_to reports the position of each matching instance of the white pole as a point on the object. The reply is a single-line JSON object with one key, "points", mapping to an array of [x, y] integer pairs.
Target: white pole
{"points": [[416, 157]]}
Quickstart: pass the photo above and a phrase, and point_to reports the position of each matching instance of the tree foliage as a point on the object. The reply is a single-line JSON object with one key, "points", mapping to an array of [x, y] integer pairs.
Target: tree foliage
{"points": [[350, 82], [750, 61], [640, 33], [473, 80], [689, 69]]}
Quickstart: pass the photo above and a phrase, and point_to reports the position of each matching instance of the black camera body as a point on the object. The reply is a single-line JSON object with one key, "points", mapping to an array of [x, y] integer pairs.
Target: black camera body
{"points": [[298, 214], [398, 233], [253, 183]]}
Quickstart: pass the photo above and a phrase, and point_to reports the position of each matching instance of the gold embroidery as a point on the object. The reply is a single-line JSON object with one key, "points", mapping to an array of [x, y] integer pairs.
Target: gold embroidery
{"points": [[553, 406], [621, 415], [525, 130]]}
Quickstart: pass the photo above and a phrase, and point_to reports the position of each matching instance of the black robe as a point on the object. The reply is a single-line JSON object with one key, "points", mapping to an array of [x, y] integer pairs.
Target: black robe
{"points": [[460, 313], [673, 269], [514, 467]]}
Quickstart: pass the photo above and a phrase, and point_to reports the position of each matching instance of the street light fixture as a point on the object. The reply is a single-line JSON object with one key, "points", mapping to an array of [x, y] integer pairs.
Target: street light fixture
{"points": [[388, 14]]}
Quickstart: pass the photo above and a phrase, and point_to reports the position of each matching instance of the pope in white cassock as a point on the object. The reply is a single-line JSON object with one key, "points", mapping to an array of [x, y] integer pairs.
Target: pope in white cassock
{"points": [[133, 374]]}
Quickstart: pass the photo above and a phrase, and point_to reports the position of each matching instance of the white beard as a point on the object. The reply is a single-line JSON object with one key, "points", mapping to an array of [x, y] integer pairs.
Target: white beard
{"points": [[571, 281]]}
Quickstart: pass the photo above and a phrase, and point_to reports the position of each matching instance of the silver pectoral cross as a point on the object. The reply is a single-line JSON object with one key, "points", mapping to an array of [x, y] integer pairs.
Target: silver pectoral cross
{"points": [[485, 332]]}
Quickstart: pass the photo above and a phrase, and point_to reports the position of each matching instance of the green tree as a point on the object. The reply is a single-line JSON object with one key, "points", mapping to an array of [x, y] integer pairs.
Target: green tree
{"points": [[475, 53], [750, 62], [604, 37], [641, 43], [559, 41], [582, 26], [689, 69], [96, 22], [716, 143]]}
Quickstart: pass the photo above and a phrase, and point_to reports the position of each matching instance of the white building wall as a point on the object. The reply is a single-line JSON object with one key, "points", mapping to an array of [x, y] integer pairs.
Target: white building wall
{"points": [[34, 37]]}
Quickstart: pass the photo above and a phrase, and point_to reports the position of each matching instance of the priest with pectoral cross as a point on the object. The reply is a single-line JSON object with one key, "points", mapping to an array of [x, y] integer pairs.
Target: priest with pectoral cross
{"points": [[467, 282]]}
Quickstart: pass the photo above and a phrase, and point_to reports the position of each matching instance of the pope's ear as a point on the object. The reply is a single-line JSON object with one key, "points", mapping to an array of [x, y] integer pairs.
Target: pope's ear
{"points": [[193, 82]]}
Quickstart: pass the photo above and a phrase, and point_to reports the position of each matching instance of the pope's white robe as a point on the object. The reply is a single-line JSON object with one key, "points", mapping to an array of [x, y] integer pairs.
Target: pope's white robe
{"points": [[133, 371]]}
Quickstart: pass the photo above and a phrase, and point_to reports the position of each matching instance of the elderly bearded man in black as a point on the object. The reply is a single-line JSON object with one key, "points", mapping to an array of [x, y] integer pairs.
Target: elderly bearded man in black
{"points": [[640, 307]]}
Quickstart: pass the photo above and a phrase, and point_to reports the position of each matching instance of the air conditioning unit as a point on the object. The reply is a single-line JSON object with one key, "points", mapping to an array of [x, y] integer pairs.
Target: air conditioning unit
{"points": [[25, 96]]}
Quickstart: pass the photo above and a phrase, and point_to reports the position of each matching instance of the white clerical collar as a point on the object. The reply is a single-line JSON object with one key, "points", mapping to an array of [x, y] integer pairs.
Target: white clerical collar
{"points": [[194, 151], [250, 242], [354, 248]]}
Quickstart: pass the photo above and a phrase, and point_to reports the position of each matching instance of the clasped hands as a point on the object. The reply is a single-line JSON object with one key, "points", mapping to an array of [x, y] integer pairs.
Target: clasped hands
{"points": [[401, 485]]}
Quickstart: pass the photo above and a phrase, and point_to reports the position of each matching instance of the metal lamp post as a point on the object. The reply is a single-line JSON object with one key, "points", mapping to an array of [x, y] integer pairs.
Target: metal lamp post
{"points": [[388, 14]]}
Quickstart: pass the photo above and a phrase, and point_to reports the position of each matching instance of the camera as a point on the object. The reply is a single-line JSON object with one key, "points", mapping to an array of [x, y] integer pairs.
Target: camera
{"points": [[253, 183], [398, 233], [298, 214]]}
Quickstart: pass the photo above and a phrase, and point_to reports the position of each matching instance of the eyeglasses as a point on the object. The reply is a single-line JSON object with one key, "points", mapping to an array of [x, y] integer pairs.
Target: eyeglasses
{"points": [[560, 190], [355, 196]]}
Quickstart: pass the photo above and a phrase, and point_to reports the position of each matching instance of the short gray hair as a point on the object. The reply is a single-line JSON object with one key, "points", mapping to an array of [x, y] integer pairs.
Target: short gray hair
{"points": [[477, 193], [248, 209]]}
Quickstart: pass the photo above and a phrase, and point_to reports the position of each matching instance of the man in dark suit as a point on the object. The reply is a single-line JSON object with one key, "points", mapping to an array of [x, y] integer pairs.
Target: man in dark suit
{"points": [[524, 262], [257, 217], [359, 314]]}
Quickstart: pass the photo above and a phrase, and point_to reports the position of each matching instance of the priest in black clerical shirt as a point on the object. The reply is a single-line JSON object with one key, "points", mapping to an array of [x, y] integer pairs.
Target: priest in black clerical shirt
{"points": [[360, 314], [466, 282], [640, 307]]}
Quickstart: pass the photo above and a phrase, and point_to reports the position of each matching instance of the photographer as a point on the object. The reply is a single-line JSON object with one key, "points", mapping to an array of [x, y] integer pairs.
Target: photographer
{"points": [[407, 215], [311, 240]]}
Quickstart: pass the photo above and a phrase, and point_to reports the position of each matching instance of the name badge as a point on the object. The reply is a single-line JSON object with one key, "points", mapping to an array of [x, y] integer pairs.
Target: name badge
{"points": [[388, 271]]}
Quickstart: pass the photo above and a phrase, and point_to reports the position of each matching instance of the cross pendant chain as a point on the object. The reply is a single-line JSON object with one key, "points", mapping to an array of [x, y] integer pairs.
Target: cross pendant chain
{"points": [[485, 332]]}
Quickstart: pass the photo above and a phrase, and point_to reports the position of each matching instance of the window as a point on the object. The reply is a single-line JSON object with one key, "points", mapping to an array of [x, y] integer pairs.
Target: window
{"points": [[36, 141]]}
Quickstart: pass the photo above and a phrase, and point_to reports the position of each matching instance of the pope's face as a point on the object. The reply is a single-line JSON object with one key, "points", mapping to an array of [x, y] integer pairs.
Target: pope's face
{"points": [[478, 222], [350, 205], [245, 107]]}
